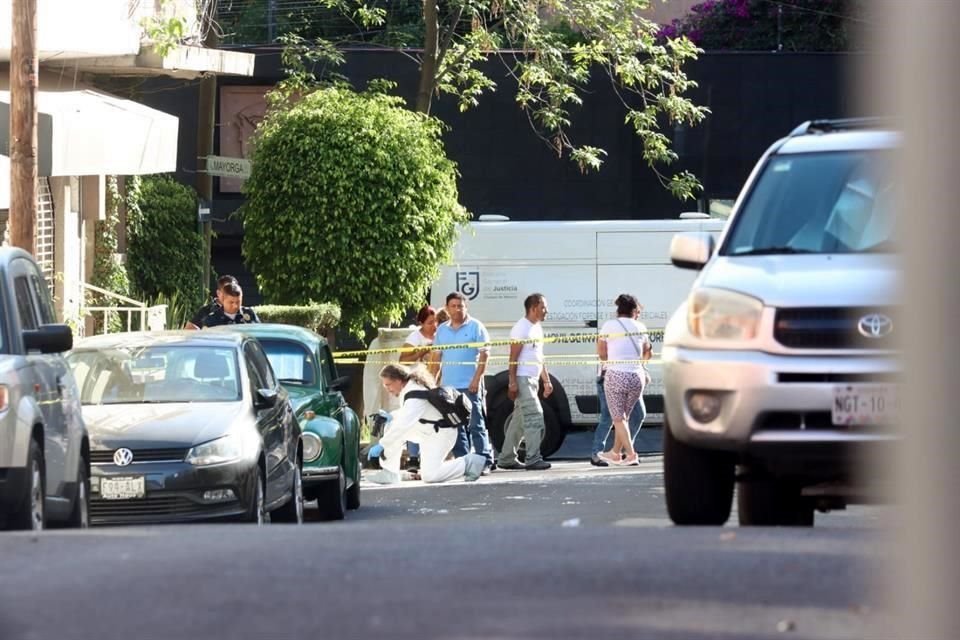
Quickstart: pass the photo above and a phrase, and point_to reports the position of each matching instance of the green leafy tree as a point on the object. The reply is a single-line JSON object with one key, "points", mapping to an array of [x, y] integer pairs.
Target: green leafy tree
{"points": [[164, 245], [108, 273], [351, 200], [551, 49]]}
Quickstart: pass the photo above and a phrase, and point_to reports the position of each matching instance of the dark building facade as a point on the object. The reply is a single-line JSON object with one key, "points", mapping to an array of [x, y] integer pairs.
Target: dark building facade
{"points": [[506, 169]]}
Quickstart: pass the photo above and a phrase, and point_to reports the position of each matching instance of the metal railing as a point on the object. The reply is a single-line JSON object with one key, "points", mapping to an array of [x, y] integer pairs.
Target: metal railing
{"points": [[152, 317]]}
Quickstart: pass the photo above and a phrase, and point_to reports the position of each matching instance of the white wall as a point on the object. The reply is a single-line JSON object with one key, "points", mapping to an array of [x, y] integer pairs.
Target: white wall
{"points": [[70, 29]]}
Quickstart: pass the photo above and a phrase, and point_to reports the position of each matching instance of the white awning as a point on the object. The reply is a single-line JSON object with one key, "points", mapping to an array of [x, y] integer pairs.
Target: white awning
{"points": [[82, 131]]}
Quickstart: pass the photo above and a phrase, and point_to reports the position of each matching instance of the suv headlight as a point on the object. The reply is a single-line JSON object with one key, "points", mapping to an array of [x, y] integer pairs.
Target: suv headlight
{"points": [[718, 314], [219, 451]]}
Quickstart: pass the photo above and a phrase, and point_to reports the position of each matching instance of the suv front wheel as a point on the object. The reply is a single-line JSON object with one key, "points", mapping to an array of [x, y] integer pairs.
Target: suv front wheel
{"points": [[698, 482]]}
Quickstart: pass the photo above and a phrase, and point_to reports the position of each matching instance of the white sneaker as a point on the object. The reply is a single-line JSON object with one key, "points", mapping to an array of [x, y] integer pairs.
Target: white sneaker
{"points": [[384, 476]]}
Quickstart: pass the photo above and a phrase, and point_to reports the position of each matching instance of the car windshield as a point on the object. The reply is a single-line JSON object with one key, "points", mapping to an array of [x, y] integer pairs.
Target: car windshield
{"points": [[836, 202], [155, 374], [291, 362]]}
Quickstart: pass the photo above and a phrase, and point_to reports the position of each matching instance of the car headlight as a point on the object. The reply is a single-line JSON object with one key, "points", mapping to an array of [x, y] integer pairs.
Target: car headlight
{"points": [[718, 314], [312, 447], [219, 451]]}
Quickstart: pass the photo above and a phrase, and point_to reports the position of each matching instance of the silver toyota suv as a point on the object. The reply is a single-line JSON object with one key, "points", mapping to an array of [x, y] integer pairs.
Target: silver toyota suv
{"points": [[780, 369]]}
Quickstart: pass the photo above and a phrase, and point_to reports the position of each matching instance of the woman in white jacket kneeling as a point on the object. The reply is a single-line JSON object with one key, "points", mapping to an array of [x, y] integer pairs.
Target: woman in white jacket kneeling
{"points": [[405, 426]]}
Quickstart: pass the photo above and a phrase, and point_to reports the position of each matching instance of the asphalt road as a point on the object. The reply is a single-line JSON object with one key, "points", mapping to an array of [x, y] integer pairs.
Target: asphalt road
{"points": [[573, 552]]}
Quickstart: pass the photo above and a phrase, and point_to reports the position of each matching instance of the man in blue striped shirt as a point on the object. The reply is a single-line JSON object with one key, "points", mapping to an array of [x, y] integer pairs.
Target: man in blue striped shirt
{"points": [[463, 368]]}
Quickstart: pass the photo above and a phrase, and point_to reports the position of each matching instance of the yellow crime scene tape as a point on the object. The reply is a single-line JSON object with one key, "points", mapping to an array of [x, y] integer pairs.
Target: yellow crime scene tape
{"points": [[362, 355]]}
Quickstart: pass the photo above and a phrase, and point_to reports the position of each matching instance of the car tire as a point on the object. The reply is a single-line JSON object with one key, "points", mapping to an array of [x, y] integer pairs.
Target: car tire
{"points": [[501, 408], [332, 498], [257, 507], [353, 493], [698, 483], [768, 502], [292, 511], [32, 512], [80, 515]]}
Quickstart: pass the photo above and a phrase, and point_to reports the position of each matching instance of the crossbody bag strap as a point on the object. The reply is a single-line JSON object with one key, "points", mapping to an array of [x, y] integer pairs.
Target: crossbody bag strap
{"points": [[643, 365]]}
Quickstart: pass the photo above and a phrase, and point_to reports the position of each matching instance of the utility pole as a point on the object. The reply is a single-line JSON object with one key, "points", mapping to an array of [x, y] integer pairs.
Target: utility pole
{"points": [[24, 78], [206, 125]]}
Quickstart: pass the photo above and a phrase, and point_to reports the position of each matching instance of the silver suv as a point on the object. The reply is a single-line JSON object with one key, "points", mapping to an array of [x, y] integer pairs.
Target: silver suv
{"points": [[44, 451], [780, 368]]}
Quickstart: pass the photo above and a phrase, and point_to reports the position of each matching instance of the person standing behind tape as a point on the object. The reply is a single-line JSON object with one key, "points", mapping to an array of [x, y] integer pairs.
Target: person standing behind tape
{"points": [[526, 369], [419, 342], [463, 369], [623, 347]]}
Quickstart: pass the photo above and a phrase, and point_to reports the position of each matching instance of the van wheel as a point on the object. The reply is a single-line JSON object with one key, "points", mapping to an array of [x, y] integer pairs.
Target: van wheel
{"points": [[772, 503], [80, 516], [31, 514], [698, 482], [500, 409]]}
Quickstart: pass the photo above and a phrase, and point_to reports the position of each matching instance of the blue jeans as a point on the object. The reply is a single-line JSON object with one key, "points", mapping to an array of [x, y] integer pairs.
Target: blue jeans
{"points": [[476, 432], [606, 422]]}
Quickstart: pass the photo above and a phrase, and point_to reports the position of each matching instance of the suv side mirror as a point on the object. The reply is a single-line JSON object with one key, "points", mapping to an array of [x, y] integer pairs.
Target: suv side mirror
{"points": [[265, 398], [49, 338], [340, 384], [691, 249]]}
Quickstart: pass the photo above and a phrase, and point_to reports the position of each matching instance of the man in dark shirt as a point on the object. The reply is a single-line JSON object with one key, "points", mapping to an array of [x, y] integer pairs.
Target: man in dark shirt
{"points": [[231, 309], [196, 322]]}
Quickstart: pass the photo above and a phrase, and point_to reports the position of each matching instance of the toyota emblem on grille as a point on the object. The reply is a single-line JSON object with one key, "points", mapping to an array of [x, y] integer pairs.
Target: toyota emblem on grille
{"points": [[122, 457], [875, 325]]}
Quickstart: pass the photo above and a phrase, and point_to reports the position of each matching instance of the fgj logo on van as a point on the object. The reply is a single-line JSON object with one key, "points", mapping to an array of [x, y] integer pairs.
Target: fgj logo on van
{"points": [[468, 283]]}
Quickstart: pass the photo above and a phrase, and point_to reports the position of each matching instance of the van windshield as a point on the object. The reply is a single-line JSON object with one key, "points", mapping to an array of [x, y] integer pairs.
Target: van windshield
{"points": [[836, 202]]}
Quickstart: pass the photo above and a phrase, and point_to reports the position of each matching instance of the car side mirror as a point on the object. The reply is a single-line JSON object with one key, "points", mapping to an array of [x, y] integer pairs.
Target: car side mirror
{"points": [[340, 384], [691, 249], [265, 398], [49, 338]]}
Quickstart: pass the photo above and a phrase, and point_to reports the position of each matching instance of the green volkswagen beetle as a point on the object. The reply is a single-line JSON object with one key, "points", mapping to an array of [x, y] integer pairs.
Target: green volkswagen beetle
{"points": [[303, 363]]}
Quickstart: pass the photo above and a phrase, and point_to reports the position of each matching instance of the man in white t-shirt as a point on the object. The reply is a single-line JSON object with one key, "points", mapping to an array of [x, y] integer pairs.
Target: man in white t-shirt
{"points": [[526, 369]]}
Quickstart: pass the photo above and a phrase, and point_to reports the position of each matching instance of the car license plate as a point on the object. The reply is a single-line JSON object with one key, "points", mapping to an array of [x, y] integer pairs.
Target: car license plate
{"points": [[125, 488], [865, 405]]}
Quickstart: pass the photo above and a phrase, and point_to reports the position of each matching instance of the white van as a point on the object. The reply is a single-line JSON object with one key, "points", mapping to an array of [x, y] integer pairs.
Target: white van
{"points": [[581, 267]]}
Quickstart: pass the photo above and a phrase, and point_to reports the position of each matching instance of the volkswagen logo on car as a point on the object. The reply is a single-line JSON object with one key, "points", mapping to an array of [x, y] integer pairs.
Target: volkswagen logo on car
{"points": [[122, 457], [875, 325]]}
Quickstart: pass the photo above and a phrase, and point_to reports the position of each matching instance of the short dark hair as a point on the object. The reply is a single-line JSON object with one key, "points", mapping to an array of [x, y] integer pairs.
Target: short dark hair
{"points": [[456, 295], [232, 289], [225, 280], [532, 300], [626, 304]]}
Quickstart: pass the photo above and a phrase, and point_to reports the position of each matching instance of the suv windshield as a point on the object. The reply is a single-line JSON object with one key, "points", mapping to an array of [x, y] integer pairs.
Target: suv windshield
{"points": [[133, 375], [836, 202]]}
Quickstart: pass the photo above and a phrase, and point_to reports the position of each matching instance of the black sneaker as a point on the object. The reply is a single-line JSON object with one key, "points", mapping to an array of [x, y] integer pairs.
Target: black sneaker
{"points": [[598, 462], [510, 466], [539, 465], [413, 464]]}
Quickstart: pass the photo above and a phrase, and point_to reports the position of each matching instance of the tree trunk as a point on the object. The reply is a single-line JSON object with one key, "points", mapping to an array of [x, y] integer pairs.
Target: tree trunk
{"points": [[431, 51]]}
